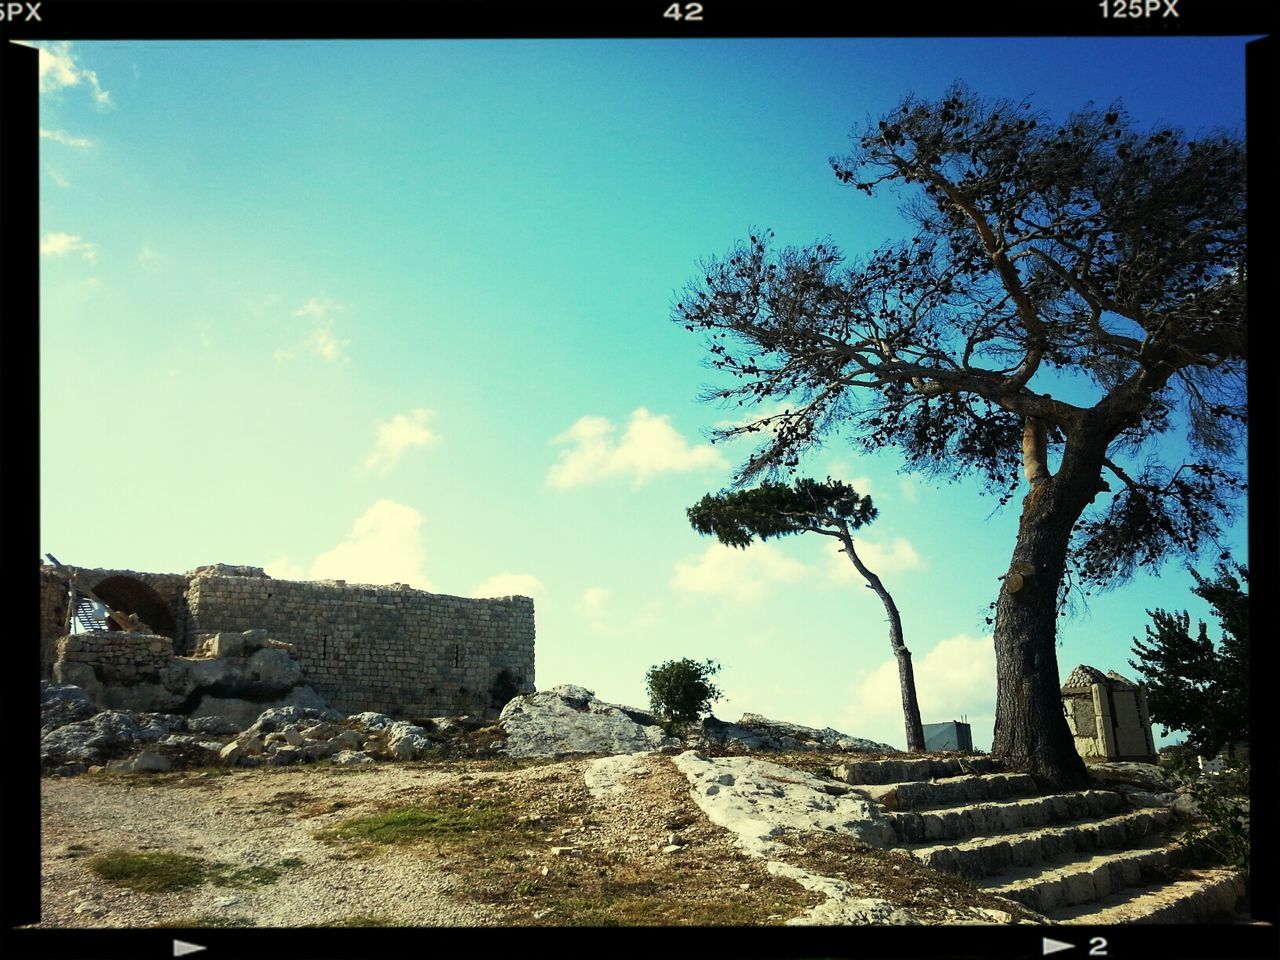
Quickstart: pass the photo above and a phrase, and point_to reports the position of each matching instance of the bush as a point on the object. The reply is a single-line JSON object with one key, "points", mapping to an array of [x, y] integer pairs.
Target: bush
{"points": [[680, 691], [1222, 832]]}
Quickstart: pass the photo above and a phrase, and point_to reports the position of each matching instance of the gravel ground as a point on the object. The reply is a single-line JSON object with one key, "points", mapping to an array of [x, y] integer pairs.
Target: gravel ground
{"points": [[619, 843], [244, 819]]}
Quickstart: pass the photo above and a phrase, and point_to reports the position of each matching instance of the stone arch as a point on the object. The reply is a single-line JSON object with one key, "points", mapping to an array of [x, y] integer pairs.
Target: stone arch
{"points": [[127, 595]]}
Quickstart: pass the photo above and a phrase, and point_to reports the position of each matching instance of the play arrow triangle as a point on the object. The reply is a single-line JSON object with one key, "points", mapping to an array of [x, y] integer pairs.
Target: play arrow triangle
{"points": [[1053, 946], [181, 948]]}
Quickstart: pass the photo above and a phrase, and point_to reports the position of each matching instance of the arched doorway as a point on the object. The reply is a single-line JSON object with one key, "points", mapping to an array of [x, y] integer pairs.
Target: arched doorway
{"points": [[129, 595]]}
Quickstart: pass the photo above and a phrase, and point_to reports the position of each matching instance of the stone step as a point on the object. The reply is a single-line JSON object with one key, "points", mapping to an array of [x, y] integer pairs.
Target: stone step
{"points": [[968, 820], [1083, 878], [1201, 896], [919, 794], [919, 768], [999, 853]]}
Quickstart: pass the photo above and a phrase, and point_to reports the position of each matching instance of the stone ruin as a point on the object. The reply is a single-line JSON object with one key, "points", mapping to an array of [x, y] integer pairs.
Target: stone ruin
{"points": [[1108, 716], [233, 641]]}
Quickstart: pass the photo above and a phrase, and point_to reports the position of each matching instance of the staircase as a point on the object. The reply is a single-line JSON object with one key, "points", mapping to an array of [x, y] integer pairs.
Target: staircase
{"points": [[85, 613], [1084, 856]]}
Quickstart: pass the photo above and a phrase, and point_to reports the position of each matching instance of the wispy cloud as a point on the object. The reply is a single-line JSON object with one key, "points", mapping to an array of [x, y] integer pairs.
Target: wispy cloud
{"points": [[510, 585], [66, 139], [649, 445], [321, 340], [593, 601], [61, 244], [956, 678], [384, 546], [880, 558], [59, 68], [149, 259], [743, 575], [397, 435]]}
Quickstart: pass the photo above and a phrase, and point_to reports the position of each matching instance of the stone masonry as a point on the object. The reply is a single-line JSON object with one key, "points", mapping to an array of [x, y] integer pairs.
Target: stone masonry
{"points": [[391, 649]]}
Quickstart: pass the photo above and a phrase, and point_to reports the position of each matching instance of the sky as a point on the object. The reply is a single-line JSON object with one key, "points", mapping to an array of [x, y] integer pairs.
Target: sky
{"points": [[401, 312]]}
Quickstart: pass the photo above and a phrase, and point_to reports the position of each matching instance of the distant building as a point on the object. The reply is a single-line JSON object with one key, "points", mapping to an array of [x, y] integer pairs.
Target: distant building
{"points": [[952, 735], [1108, 716]]}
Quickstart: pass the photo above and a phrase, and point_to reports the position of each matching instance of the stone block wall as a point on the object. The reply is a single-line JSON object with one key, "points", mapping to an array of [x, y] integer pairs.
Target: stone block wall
{"points": [[114, 658], [393, 649]]}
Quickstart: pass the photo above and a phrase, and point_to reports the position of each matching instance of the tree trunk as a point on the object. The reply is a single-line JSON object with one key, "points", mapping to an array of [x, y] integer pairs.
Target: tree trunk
{"points": [[1031, 730], [906, 676]]}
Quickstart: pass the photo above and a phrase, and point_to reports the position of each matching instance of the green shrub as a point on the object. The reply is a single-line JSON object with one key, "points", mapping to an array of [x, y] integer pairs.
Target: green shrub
{"points": [[1223, 832], [680, 691]]}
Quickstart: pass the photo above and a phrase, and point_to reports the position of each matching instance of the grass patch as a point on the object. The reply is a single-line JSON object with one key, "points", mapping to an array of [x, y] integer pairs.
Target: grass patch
{"points": [[163, 871], [158, 871], [452, 817]]}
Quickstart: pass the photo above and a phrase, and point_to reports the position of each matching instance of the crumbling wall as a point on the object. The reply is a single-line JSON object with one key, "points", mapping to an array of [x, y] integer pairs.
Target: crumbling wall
{"points": [[393, 649], [159, 597], [97, 660]]}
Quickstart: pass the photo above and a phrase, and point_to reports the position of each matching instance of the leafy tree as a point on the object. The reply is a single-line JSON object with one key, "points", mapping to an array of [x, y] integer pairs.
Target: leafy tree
{"points": [[680, 690], [1088, 247], [833, 509], [1192, 683]]}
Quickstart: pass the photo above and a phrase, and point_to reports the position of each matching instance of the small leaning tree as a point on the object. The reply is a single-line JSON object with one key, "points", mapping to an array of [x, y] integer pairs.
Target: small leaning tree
{"points": [[1071, 305], [833, 509]]}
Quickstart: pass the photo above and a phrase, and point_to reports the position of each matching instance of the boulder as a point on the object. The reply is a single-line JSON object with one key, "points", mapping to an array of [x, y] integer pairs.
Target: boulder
{"points": [[89, 741], [275, 719], [274, 669], [213, 726], [569, 719], [61, 704], [754, 732], [347, 758], [148, 761]]}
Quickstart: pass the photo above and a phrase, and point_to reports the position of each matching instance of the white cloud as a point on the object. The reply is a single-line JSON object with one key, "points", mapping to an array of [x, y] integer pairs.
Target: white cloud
{"points": [[956, 679], [592, 602], [60, 244], [320, 340], [384, 546], [59, 69], [66, 139], [397, 435], [149, 259], [909, 487], [510, 585], [62, 182], [740, 574], [649, 445], [282, 568], [879, 558]]}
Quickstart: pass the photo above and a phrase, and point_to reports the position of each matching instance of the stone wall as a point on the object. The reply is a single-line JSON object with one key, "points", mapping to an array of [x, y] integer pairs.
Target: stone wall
{"points": [[392, 649], [158, 597], [395, 650], [112, 658]]}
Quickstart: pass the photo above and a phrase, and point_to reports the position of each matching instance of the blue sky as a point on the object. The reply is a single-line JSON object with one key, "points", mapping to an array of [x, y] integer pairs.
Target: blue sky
{"points": [[400, 311]]}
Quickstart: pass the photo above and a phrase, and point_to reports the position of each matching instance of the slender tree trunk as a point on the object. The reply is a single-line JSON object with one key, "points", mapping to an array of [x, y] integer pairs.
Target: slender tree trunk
{"points": [[906, 676], [1031, 730]]}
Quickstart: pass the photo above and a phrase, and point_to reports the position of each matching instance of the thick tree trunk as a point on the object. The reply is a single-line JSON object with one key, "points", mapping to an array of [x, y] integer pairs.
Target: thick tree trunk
{"points": [[906, 676], [1031, 730]]}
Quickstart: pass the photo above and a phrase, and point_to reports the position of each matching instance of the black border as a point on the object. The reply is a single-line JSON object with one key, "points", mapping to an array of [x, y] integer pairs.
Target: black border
{"points": [[388, 19]]}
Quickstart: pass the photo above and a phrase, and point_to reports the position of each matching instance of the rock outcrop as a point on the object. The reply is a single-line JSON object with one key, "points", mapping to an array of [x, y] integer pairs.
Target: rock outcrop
{"points": [[754, 732], [232, 675], [569, 719]]}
